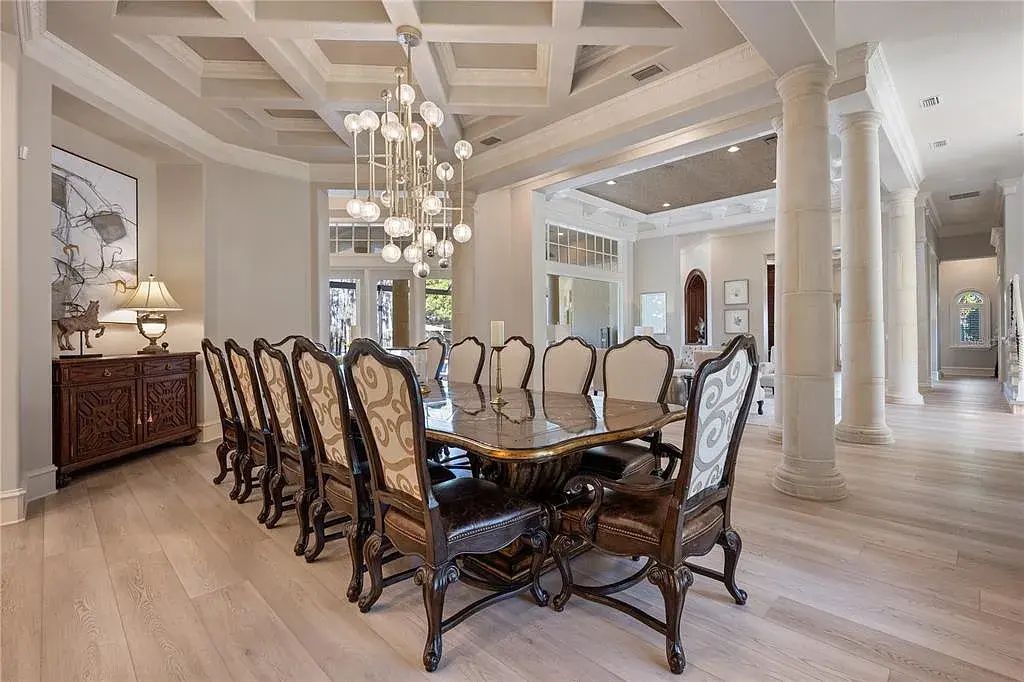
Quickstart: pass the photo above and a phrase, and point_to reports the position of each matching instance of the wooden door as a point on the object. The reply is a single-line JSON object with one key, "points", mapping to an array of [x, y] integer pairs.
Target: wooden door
{"points": [[104, 419], [770, 293], [168, 404], [696, 297]]}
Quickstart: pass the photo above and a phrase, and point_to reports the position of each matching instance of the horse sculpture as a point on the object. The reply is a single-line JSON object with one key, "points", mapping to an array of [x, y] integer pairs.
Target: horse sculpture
{"points": [[85, 322]]}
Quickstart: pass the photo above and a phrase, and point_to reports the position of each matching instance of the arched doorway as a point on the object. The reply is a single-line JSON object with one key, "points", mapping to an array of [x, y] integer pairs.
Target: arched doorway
{"points": [[695, 295]]}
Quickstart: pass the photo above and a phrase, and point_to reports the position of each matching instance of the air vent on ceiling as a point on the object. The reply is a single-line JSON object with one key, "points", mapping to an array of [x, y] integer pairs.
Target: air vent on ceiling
{"points": [[964, 195], [490, 141], [939, 144], [929, 102], [647, 72]]}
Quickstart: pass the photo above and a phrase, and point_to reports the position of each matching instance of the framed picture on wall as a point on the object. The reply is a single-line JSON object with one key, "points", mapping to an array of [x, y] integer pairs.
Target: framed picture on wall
{"points": [[737, 321], [737, 292], [654, 311]]}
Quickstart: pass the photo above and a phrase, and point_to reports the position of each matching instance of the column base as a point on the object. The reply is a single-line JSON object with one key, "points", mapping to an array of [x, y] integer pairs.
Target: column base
{"points": [[775, 433], [904, 398], [864, 435], [12, 506], [829, 486]]}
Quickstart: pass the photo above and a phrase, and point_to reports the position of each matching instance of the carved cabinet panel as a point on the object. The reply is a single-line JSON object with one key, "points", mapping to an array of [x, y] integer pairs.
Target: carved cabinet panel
{"points": [[105, 408]]}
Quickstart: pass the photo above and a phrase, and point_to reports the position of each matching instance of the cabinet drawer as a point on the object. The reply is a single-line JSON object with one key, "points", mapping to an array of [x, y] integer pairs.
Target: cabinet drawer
{"points": [[167, 366], [89, 373]]}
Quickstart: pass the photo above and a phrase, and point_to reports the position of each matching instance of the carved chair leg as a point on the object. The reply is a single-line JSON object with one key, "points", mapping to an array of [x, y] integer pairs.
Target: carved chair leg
{"points": [[303, 499], [372, 551], [560, 549], [236, 469], [673, 583], [538, 541], [318, 512], [277, 484], [247, 463], [435, 582], [356, 539], [264, 481], [222, 461], [731, 543]]}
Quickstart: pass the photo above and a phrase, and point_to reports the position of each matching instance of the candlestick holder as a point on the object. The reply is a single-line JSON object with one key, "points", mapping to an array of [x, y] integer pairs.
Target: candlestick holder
{"points": [[497, 400]]}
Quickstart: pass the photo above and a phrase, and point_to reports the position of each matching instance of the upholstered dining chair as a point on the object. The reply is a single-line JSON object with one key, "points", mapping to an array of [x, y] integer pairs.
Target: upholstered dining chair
{"points": [[437, 523], [435, 355], [639, 369], [233, 436], [670, 521], [466, 360], [262, 450], [296, 469], [568, 366], [516, 363]]}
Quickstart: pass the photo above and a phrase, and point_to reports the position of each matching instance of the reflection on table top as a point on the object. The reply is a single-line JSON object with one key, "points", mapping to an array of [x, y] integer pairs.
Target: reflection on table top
{"points": [[535, 426]]}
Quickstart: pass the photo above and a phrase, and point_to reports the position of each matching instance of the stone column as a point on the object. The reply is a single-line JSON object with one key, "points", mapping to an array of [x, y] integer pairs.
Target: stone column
{"points": [[776, 427], [863, 329], [903, 317], [808, 468]]}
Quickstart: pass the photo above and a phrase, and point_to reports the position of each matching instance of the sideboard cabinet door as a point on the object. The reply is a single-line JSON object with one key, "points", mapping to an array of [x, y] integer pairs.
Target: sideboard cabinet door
{"points": [[104, 419], [168, 405]]}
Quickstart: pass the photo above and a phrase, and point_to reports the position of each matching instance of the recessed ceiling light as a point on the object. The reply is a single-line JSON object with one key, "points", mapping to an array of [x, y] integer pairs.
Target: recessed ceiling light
{"points": [[666, 205], [610, 182], [733, 149]]}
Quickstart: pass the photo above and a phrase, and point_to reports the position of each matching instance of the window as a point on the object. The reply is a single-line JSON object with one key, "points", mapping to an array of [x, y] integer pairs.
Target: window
{"points": [[344, 323], [970, 317], [439, 309], [574, 247], [355, 238]]}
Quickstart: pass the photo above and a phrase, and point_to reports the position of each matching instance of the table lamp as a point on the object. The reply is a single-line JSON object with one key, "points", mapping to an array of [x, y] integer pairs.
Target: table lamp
{"points": [[151, 300]]}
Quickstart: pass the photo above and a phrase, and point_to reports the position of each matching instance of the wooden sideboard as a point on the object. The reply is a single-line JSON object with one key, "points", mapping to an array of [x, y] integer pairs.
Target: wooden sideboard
{"points": [[109, 407]]}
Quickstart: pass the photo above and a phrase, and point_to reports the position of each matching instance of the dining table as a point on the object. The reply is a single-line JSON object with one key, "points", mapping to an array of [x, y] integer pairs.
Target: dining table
{"points": [[532, 443]]}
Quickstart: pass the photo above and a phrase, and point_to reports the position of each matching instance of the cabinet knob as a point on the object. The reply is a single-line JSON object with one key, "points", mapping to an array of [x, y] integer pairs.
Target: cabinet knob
{"points": [[149, 419], [167, 366], [106, 373]]}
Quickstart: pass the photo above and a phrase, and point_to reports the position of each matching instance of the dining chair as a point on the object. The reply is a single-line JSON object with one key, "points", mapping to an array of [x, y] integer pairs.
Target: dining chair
{"points": [[638, 369], [568, 366], [233, 437], [516, 363], [669, 521], [262, 450], [296, 469], [437, 523], [466, 360], [435, 355]]}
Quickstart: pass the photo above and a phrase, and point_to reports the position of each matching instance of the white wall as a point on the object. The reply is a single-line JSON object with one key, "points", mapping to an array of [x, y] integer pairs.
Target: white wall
{"points": [[955, 276], [966, 246], [656, 269], [742, 256]]}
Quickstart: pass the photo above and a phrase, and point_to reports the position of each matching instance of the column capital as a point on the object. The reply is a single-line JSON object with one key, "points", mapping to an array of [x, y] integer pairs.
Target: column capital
{"points": [[901, 197], [776, 122], [868, 120], [805, 80], [922, 200]]}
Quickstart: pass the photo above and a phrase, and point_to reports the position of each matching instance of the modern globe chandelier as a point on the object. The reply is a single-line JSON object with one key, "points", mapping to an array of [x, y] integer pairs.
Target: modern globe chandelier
{"points": [[405, 182]]}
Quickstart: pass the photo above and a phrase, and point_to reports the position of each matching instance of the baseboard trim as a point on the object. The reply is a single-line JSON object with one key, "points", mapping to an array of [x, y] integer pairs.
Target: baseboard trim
{"points": [[12, 506], [40, 482], [211, 431], [986, 372]]}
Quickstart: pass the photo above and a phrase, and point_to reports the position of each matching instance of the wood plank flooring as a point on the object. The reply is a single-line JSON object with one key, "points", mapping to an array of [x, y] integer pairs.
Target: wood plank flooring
{"points": [[148, 572]]}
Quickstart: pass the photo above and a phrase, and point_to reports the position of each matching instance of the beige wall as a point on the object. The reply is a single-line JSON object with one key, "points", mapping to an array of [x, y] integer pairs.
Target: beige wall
{"points": [[742, 256], [967, 246], [955, 276], [656, 269]]}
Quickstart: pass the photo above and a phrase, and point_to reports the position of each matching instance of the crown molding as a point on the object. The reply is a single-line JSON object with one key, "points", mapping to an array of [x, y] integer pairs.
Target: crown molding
{"points": [[30, 18]]}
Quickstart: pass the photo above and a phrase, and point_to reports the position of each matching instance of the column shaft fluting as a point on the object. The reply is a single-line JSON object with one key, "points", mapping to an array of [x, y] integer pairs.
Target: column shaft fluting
{"points": [[903, 316], [776, 427]]}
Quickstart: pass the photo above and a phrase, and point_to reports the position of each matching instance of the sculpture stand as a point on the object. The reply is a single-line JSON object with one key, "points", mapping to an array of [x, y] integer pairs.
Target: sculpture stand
{"points": [[81, 350]]}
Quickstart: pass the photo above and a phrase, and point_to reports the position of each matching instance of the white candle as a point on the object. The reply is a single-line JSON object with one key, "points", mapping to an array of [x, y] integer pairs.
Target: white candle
{"points": [[497, 333]]}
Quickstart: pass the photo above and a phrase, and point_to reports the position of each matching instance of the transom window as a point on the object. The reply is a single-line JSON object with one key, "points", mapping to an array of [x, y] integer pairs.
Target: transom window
{"points": [[575, 247], [971, 319]]}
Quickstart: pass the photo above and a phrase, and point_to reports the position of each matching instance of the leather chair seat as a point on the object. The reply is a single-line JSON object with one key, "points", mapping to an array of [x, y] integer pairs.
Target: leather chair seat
{"points": [[470, 508], [619, 460], [439, 473]]}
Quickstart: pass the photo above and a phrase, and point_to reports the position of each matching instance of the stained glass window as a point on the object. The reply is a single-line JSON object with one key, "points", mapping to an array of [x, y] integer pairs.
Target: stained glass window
{"points": [[970, 305]]}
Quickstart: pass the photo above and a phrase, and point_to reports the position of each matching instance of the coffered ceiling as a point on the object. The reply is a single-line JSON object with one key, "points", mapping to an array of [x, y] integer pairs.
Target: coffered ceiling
{"points": [[280, 76]]}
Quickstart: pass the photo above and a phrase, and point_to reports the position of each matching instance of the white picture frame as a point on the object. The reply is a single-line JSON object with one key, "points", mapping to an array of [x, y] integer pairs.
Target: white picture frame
{"points": [[737, 291], [654, 311], [737, 321]]}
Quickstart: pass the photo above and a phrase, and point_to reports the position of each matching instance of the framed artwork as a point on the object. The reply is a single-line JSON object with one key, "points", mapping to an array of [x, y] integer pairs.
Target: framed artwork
{"points": [[737, 292], [654, 311], [737, 321], [94, 232]]}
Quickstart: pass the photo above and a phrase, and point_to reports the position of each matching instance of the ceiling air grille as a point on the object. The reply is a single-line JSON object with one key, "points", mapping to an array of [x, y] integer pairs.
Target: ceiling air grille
{"points": [[939, 144], [964, 195], [647, 72], [929, 102], [490, 141]]}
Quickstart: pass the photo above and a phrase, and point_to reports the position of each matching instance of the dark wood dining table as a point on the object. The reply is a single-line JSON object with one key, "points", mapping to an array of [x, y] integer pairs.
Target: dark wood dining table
{"points": [[533, 443]]}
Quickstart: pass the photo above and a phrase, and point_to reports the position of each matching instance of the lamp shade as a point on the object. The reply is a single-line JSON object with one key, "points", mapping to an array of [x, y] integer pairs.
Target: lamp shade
{"points": [[151, 295]]}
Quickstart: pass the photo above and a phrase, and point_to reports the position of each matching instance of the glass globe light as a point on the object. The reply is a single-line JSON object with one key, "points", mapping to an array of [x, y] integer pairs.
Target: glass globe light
{"points": [[431, 204], [385, 197], [370, 211], [461, 233], [369, 120], [445, 171], [428, 239], [416, 132], [421, 269], [413, 253], [392, 131], [463, 150], [443, 263], [389, 117], [391, 253], [426, 106], [393, 227], [354, 207], [445, 248], [353, 123], [432, 114], [406, 93], [408, 227], [399, 72]]}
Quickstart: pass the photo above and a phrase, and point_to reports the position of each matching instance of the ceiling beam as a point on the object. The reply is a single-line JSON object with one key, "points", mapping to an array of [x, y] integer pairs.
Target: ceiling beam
{"points": [[567, 15], [786, 34]]}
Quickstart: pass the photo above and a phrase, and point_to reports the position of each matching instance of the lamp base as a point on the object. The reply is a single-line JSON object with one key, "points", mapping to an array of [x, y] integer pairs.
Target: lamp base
{"points": [[153, 349]]}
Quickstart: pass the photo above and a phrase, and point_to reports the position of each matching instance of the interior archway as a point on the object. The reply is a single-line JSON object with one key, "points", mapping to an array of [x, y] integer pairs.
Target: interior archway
{"points": [[695, 295]]}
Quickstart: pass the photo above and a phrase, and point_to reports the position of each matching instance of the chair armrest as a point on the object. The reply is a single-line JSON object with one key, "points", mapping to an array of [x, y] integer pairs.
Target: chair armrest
{"points": [[574, 486]]}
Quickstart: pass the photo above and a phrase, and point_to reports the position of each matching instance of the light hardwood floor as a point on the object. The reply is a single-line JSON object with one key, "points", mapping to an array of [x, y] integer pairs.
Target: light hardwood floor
{"points": [[148, 572]]}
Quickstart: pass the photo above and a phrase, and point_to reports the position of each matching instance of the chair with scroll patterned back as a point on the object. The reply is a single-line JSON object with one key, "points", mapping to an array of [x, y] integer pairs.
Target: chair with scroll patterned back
{"points": [[638, 369], [568, 366], [262, 451], [466, 360], [234, 440], [436, 350], [296, 469], [669, 521], [437, 523]]}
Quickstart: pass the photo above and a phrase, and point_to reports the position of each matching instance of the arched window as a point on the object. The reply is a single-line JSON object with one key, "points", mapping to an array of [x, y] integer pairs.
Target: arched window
{"points": [[695, 295], [970, 319]]}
